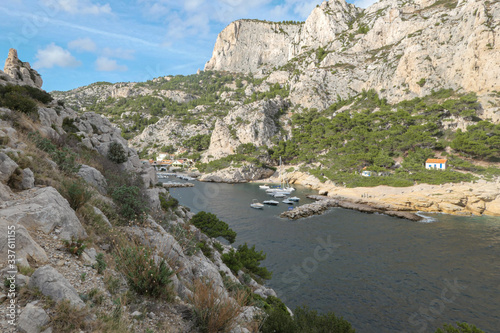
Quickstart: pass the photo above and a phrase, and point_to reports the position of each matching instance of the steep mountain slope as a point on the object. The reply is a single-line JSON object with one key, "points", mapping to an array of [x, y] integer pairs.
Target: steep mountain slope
{"points": [[419, 72], [402, 49]]}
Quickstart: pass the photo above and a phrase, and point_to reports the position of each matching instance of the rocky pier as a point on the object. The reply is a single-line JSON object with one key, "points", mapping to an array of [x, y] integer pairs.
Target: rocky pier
{"points": [[324, 203], [172, 185]]}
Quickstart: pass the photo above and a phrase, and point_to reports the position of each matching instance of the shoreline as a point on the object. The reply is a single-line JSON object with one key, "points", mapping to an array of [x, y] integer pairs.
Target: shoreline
{"points": [[461, 199]]}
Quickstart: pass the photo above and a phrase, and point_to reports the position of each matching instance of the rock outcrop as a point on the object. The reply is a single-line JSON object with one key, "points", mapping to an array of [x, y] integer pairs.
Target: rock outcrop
{"points": [[242, 174], [20, 72], [256, 123], [401, 50], [51, 283]]}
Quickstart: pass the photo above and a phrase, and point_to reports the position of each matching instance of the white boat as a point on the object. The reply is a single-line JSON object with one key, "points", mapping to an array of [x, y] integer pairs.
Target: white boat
{"points": [[264, 187], [271, 202], [288, 201], [294, 199], [257, 205], [279, 195]]}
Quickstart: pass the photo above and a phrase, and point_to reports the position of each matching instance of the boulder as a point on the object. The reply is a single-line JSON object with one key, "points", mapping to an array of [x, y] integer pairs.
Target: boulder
{"points": [[45, 209], [7, 167], [26, 248], [93, 177], [51, 283], [32, 319], [27, 180]]}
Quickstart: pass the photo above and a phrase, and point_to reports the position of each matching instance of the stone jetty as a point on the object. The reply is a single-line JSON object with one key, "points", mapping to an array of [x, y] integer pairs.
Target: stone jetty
{"points": [[172, 185], [324, 203]]}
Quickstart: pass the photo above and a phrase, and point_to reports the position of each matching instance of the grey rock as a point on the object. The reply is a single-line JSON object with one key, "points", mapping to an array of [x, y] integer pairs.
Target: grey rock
{"points": [[51, 283], [45, 209], [89, 256], [21, 72], [28, 180], [26, 247], [93, 177], [22, 280], [104, 217], [32, 319], [7, 167]]}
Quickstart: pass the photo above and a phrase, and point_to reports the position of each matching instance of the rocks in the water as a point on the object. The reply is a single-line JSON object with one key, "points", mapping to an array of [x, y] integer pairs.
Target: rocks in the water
{"points": [[323, 203], [51, 283]]}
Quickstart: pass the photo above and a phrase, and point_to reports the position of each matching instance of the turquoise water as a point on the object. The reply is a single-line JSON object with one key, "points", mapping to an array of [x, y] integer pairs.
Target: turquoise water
{"points": [[381, 273]]}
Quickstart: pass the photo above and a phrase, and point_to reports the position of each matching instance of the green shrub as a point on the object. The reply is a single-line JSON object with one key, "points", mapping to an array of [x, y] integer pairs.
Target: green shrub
{"points": [[68, 125], [22, 98], [462, 328], [100, 263], [116, 153], [76, 193], [210, 225], [143, 274], [304, 321], [167, 204], [422, 82], [129, 201], [247, 259], [75, 246], [207, 250]]}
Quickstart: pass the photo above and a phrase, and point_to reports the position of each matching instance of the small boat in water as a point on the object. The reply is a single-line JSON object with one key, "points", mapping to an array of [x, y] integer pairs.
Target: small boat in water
{"points": [[271, 202], [264, 187], [257, 205], [288, 201], [278, 195], [295, 199]]}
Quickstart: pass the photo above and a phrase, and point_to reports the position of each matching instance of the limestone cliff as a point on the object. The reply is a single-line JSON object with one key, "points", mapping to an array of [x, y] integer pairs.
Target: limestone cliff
{"points": [[402, 49], [19, 72]]}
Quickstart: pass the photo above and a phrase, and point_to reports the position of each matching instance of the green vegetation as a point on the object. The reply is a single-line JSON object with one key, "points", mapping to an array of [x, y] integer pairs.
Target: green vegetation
{"points": [[75, 246], [303, 321], [371, 134], [168, 202], [198, 142], [131, 205], [23, 98], [210, 225], [321, 54], [479, 141], [63, 156], [143, 274], [247, 259], [116, 153], [461, 328], [76, 193], [422, 82], [274, 90], [100, 263]]}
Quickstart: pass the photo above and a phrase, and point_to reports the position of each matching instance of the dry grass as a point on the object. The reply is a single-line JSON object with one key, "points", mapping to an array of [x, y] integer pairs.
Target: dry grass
{"points": [[213, 311], [67, 318]]}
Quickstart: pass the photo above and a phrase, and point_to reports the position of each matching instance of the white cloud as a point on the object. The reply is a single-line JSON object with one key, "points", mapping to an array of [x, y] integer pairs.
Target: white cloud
{"points": [[118, 53], [105, 64], [54, 55], [78, 6], [83, 44]]}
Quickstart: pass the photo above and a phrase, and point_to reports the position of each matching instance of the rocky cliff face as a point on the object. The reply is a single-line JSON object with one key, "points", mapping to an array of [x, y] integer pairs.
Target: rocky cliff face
{"points": [[17, 72], [34, 200], [255, 123], [237, 49], [401, 49]]}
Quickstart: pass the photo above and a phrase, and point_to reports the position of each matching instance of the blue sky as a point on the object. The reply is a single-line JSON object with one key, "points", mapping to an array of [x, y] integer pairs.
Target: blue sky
{"points": [[77, 42]]}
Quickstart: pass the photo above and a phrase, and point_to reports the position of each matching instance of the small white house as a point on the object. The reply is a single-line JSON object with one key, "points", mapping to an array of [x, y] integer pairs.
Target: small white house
{"points": [[435, 164]]}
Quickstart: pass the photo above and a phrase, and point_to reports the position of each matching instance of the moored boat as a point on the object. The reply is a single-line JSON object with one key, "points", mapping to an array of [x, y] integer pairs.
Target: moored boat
{"points": [[271, 202], [257, 205]]}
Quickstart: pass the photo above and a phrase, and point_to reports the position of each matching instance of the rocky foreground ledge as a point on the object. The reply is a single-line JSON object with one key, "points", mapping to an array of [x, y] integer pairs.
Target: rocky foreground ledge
{"points": [[324, 203]]}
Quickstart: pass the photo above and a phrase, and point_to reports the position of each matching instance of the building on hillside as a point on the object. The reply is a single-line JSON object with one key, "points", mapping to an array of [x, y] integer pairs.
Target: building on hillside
{"points": [[436, 164]]}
